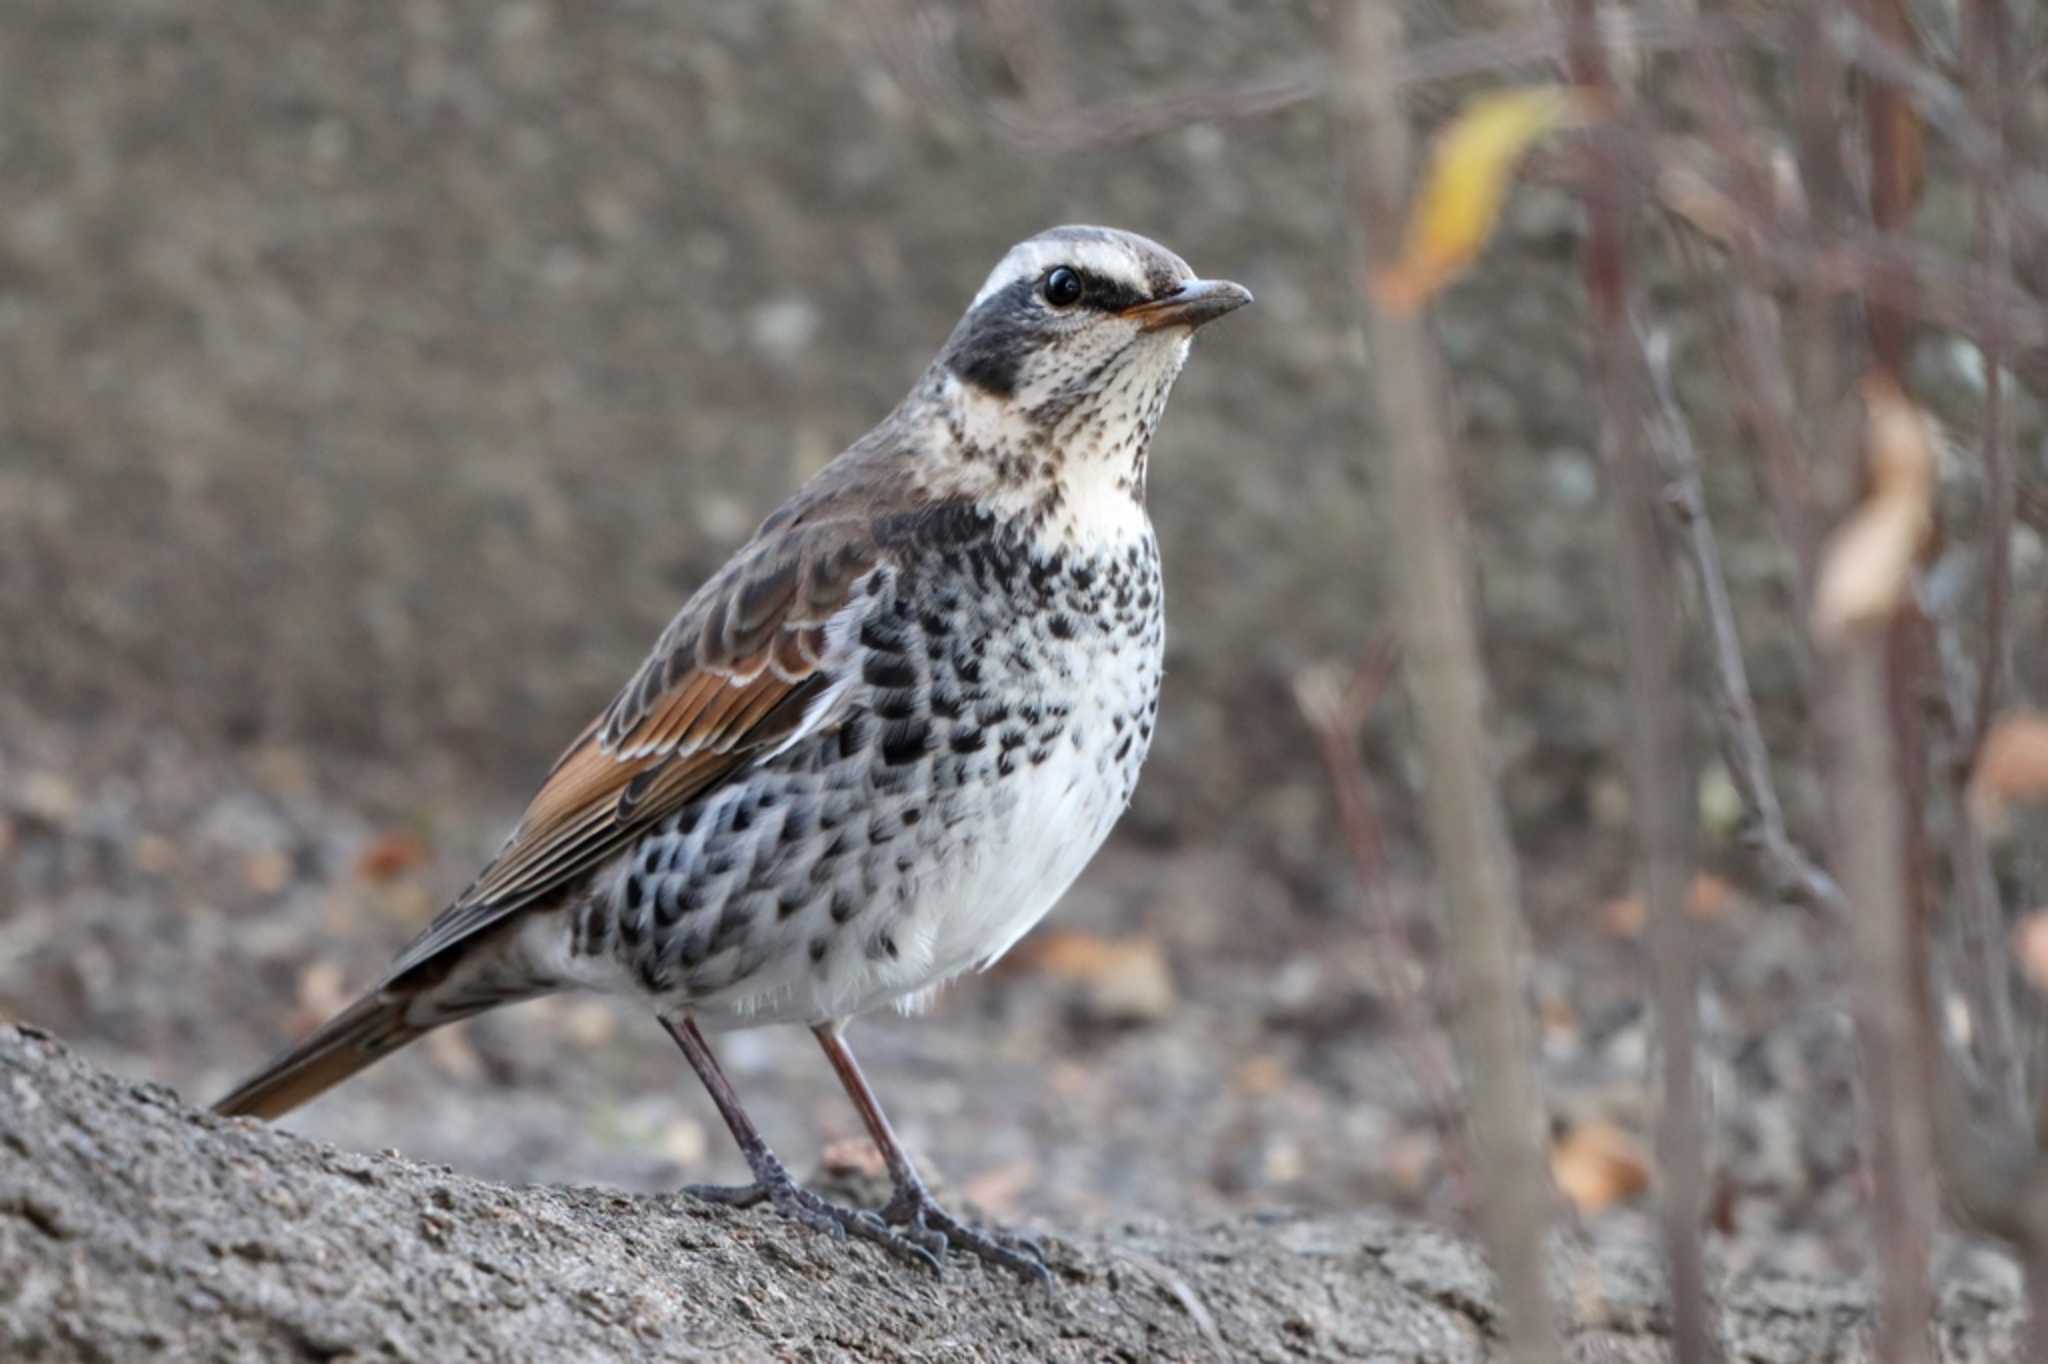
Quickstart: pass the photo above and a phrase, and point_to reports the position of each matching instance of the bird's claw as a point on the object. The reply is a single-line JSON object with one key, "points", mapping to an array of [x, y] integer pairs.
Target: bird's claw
{"points": [[930, 1226], [775, 1187]]}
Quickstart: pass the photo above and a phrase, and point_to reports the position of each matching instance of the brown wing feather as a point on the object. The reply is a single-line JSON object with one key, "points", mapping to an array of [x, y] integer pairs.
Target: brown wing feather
{"points": [[732, 677]]}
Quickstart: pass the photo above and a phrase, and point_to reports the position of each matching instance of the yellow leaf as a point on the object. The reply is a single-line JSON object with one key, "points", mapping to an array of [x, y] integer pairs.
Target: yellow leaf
{"points": [[1868, 561], [1469, 167]]}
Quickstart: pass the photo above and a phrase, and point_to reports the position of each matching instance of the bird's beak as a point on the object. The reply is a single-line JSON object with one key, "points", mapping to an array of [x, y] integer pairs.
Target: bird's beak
{"points": [[1196, 302]]}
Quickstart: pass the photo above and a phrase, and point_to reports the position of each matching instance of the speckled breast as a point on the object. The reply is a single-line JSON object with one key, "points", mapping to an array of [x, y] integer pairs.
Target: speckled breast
{"points": [[1004, 700]]}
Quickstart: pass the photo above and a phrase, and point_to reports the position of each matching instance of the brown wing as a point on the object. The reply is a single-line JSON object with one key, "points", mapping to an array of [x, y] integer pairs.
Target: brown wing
{"points": [[739, 672]]}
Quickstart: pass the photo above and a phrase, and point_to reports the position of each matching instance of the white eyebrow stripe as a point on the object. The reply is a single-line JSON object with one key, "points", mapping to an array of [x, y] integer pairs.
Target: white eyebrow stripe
{"points": [[1103, 258]]}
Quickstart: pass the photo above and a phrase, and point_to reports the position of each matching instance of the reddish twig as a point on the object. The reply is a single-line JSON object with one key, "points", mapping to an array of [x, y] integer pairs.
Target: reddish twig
{"points": [[1656, 759], [1337, 709]]}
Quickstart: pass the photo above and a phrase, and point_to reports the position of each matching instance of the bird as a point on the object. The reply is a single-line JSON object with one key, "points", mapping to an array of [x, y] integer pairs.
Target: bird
{"points": [[873, 749]]}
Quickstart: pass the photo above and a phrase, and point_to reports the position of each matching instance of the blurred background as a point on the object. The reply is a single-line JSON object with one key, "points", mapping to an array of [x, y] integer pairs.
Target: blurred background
{"points": [[376, 380]]}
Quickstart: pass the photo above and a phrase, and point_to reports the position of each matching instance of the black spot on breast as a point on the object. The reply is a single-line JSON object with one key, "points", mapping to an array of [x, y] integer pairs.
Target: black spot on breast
{"points": [[844, 906], [1061, 625], [895, 705], [882, 945], [884, 634], [967, 741], [905, 741], [888, 670], [742, 818], [1123, 749], [911, 814], [855, 732], [819, 947], [636, 893]]}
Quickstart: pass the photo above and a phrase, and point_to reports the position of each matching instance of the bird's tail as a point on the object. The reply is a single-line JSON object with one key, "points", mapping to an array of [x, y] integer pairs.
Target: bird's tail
{"points": [[368, 1030]]}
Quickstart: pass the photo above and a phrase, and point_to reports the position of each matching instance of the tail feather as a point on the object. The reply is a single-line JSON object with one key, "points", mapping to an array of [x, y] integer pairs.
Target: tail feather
{"points": [[368, 1030]]}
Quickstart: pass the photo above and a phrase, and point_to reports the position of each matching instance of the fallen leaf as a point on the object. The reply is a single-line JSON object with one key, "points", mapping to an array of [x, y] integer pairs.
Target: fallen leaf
{"points": [[390, 854], [450, 1051], [1410, 1160], [2030, 947], [1256, 1076], [1128, 979], [1597, 1165], [267, 872], [322, 992], [1470, 164], [1868, 561], [2012, 765], [1708, 896], [996, 1191], [853, 1156]]}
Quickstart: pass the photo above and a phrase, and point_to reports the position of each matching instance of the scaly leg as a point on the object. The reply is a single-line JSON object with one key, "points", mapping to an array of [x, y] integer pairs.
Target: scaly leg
{"points": [[773, 1183], [912, 1205]]}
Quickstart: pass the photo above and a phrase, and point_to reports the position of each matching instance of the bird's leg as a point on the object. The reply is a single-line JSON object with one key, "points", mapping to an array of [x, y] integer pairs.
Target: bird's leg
{"points": [[773, 1183], [912, 1205]]}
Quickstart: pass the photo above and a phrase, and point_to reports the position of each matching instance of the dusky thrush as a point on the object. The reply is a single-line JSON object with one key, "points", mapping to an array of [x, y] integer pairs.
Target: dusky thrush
{"points": [[875, 748]]}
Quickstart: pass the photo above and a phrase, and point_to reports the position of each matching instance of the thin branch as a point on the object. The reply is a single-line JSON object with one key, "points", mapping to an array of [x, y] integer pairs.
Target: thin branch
{"points": [[1793, 875], [1425, 536], [1336, 709], [1862, 779], [1656, 756]]}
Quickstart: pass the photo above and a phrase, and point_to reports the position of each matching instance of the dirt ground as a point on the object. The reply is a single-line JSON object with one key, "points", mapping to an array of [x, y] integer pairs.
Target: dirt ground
{"points": [[1186, 1036]]}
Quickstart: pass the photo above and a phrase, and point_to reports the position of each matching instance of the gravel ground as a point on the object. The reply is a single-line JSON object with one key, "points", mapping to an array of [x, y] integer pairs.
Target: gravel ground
{"points": [[1185, 1038]]}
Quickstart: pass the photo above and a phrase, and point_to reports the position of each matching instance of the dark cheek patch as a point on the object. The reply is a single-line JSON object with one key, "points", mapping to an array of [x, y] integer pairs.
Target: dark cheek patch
{"points": [[989, 346]]}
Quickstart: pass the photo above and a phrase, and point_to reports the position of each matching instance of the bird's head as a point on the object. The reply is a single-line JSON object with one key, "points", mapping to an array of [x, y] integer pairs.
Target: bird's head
{"points": [[1057, 375]]}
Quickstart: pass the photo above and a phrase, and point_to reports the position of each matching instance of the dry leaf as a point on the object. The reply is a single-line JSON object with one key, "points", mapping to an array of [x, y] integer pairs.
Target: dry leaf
{"points": [[323, 990], [1708, 896], [1868, 561], [1469, 168], [2012, 765], [853, 1156], [390, 854], [996, 1191], [1128, 979], [1256, 1076], [450, 1051], [1597, 1165], [2030, 946], [268, 872], [1410, 1160]]}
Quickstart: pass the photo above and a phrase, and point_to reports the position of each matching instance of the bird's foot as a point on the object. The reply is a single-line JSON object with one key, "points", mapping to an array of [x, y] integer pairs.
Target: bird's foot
{"points": [[935, 1230], [774, 1186]]}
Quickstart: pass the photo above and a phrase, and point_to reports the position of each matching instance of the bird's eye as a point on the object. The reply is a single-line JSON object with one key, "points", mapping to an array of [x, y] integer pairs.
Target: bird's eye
{"points": [[1062, 288]]}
